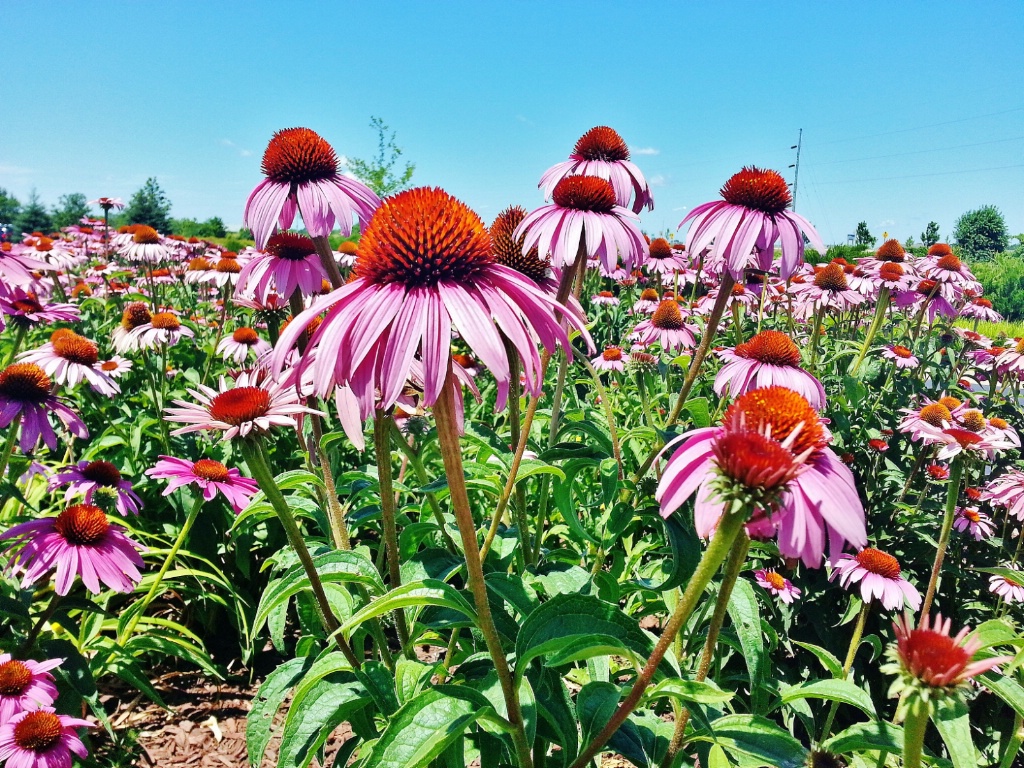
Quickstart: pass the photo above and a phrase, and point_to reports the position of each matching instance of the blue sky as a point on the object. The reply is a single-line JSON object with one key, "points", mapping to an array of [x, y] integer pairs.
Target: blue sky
{"points": [[912, 111]]}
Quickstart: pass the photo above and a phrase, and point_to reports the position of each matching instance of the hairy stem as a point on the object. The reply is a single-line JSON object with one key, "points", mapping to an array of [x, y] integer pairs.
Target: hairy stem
{"points": [[952, 495], [382, 444]]}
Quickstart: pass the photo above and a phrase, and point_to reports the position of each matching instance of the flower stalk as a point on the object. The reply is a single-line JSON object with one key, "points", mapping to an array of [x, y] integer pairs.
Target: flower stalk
{"points": [[956, 472]]}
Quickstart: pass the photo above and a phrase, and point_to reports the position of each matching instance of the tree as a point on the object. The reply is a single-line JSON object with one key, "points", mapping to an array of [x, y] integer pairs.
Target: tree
{"points": [[981, 233], [150, 206], [379, 174], [213, 227], [34, 217], [10, 207], [863, 236], [930, 236], [69, 210]]}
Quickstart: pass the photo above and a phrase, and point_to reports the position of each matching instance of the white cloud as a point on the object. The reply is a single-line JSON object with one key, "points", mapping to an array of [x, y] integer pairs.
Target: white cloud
{"points": [[657, 180], [242, 152], [15, 170], [644, 151], [523, 119]]}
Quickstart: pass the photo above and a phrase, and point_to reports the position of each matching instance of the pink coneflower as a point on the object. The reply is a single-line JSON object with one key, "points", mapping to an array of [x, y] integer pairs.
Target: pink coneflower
{"points": [[946, 267], [767, 359], [980, 309], [932, 415], [254, 404], [752, 214], [116, 366], [938, 472], [771, 438], [602, 152], [879, 576], [26, 394], [777, 584], [17, 268], [240, 344], [892, 275], [107, 203], [425, 268], [509, 248], [302, 176], [24, 684], [86, 477], [977, 523], [70, 359], [878, 445], [1012, 359], [40, 738], [828, 290], [584, 206], [25, 310], [145, 246], [612, 359], [606, 298], [1007, 491], [1008, 589], [209, 475], [647, 303], [80, 541], [664, 259], [954, 440], [933, 662], [135, 315], [666, 327], [164, 329], [925, 294], [288, 263], [903, 356]]}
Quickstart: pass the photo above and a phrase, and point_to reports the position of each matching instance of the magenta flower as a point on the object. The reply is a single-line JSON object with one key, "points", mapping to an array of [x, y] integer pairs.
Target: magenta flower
{"points": [[1008, 589], [80, 541], [605, 298], [666, 261], [879, 576], [16, 268], [1007, 491], [425, 268], [70, 359], [771, 439], [287, 264], [210, 476], [777, 585], [253, 405], [768, 359], [25, 310], [666, 327], [25, 394], [828, 289], [86, 477], [40, 738], [302, 176], [612, 359], [971, 519], [903, 356], [144, 246], [585, 206], [25, 685], [601, 152], [164, 329], [751, 215]]}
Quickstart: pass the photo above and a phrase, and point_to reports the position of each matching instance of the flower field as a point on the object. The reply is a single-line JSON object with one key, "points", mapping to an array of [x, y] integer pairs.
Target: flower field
{"points": [[541, 492]]}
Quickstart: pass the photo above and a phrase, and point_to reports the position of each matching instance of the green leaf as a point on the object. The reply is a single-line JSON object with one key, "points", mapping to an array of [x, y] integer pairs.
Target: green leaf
{"points": [[754, 737], [531, 467], [595, 705], [878, 735], [422, 729], [573, 627], [953, 725], [556, 578], [562, 490], [688, 691], [1007, 689], [268, 700], [411, 677], [416, 594], [827, 659], [700, 413], [313, 718], [609, 482], [557, 713], [335, 566], [831, 690], [746, 620]]}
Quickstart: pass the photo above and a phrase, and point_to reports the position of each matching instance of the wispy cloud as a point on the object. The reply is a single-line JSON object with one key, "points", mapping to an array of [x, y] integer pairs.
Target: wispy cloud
{"points": [[644, 151], [524, 120], [657, 180], [242, 152], [15, 170]]}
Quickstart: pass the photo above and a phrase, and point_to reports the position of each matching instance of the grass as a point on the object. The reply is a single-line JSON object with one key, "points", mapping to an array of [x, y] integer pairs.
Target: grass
{"points": [[1009, 328]]}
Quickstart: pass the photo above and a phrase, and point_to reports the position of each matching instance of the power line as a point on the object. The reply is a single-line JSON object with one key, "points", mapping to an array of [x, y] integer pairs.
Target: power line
{"points": [[923, 175], [921, 127], [921, 151]]}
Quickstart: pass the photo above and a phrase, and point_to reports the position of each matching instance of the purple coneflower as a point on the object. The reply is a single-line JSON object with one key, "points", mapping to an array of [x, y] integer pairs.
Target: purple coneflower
{"points": [[86, 477], [289, 262], [777, 584], [667, 327], [24, 684], [240, 344], [26, 394], [70, 359], [971, 519], [903, 356], [606, 298], [210, 476], [164, 329], [612, 359], [1011, 591], [40, 738], [145, 246], [25, 310], [80, 541], [768, 359], [880, 578], [302, 176]]}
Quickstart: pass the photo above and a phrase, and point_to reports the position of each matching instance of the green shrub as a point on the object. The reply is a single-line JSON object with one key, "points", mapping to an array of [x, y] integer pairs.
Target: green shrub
{"points": [[1003, 280]]}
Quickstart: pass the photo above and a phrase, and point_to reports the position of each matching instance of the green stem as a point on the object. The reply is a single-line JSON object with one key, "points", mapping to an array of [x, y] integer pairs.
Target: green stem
{"points": [[256, 459], [421, 474], [451, 454], [1014, 744], [819, 318], [19, 337], [952, 496], [382, 444], [609, 414], [154, 590], [851, 654], [733, 566], [721, 545], [913, 732], [876, 323], [8, 449], [335, 513], [45, 616]]}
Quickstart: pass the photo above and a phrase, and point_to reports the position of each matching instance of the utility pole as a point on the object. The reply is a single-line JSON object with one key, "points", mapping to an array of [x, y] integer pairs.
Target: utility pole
{"points": [[796, 166]]}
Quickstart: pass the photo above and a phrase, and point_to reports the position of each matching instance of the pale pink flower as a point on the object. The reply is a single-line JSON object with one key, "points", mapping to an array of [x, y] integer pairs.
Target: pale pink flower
{"points": [[879, 576]]}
